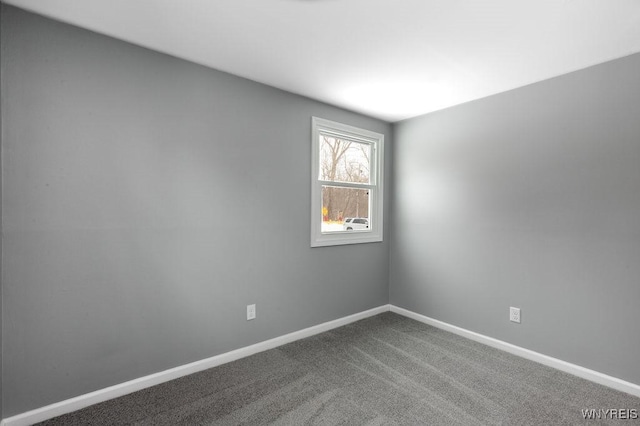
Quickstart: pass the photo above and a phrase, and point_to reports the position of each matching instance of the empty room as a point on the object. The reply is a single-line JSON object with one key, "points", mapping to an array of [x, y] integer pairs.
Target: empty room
{"points": [[225, 212]]}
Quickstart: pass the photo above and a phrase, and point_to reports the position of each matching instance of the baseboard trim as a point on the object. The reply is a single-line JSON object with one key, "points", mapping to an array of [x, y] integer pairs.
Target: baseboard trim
{"points": [[82, 401], [567, 367]]}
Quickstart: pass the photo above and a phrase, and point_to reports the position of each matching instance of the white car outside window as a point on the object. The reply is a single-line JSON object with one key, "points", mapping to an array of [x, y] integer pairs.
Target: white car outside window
{"points": [[355, 223]]}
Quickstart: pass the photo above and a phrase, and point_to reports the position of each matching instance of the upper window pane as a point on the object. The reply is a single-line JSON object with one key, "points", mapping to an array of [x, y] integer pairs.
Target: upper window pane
{"points": [[343, 160]]}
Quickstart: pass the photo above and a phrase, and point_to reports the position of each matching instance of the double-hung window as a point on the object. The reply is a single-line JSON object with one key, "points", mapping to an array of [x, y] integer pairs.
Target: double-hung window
{"points": [[346, 187]]}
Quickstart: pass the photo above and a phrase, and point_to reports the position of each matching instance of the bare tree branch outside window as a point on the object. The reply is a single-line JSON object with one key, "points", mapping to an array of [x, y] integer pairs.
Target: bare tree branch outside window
{"points": [[344, 161]]}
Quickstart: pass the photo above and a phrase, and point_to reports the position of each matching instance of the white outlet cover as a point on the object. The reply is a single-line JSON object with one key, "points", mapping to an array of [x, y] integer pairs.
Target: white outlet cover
{"points": [[514, 314], [251, 312]]}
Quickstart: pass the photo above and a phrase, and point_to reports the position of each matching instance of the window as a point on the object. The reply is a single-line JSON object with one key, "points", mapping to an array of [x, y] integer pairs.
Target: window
{"points": [[346, 188]]}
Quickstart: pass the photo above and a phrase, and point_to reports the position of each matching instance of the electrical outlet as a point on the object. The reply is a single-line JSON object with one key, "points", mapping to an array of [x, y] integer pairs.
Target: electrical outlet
{"points": [[514, 314], [251, 312]]}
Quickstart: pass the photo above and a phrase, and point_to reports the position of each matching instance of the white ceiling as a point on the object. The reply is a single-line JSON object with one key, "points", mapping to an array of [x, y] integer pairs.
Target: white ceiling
{"points": [[388, 59]]}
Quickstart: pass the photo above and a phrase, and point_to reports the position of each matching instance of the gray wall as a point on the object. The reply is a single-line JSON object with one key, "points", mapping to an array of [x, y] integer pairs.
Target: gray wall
{"points": [[147, 201], [529, 198]]}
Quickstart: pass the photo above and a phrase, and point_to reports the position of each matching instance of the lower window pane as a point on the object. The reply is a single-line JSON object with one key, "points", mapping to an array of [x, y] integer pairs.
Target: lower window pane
{"points": [[345, 209]]}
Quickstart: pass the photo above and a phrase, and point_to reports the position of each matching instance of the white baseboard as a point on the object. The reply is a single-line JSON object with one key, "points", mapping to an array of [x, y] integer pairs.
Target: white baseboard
{"points": [[82, 401], [567, 367]]}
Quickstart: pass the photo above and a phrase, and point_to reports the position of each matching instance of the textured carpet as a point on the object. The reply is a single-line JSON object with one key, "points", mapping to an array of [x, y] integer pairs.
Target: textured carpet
{"points": [[383, 370]]}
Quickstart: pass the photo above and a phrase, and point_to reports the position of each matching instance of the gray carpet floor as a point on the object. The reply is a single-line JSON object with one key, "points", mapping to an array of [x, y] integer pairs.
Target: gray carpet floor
{"points": [[384, 370]]}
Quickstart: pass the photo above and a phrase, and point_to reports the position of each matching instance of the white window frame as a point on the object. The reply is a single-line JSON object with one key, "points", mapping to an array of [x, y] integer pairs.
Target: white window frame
{"points": [[321, 126]]}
